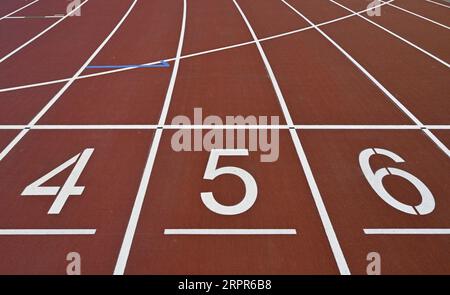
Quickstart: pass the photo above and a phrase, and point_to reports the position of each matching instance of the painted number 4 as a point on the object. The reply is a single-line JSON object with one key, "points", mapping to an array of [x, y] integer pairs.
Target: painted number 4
{"points": [[68, 189]]}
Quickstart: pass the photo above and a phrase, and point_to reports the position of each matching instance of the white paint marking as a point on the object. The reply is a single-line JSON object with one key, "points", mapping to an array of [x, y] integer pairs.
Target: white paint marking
{"points": [[437, 3], [177, 127], [323, 23], [12, 127], [407, 231], [66, 86], [40, 34], [419, 16], [216, 231], [212, 172], [437, 141], [69, 188], [137, 207], [108, 72], [395, 35], [358, 127], [13, 143], [376, 82], [94, 127], [331, 235], [437, 127], [34, 17], [45, 232], [40, 84], [17, 10], [375, 180]]}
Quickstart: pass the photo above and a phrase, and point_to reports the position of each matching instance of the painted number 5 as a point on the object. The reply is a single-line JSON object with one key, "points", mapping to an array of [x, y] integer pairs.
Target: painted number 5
{"points": [[251, 190], [375, 180], [68, 189]]}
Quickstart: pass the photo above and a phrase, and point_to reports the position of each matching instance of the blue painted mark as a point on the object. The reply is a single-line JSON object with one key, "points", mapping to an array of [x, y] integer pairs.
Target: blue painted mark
{"points": [[162, 64]]}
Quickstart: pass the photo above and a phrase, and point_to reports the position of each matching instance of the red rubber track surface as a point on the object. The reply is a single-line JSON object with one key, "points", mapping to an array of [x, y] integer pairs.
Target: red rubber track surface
{"points": [[356, 83]]}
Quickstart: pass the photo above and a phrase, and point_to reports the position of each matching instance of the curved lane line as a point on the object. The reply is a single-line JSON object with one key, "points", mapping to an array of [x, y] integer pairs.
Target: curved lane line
{"points": [[39, 84], [40, 34]]}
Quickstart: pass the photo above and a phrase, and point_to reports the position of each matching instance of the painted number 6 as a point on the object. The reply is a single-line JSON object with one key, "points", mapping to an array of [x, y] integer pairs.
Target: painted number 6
{"points": [[376, 182], [211, 172]]}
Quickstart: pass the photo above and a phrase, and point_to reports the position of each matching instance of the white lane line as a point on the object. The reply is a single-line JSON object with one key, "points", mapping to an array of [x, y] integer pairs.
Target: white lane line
{"points": [[45, 232], [41, 33], [177, 127], [331, 235], [395, 35], [437, 3], [139, 201], [34, 17], [437, 127], [80, 127], [12, 127], [240, 231], [437, 141], [108, 72], [13, 143], [358, 127], [324, 23], [419, 16], [407, 231], [17, 10], [40, 84], [142, 127], [376, 82], [33, 122]]}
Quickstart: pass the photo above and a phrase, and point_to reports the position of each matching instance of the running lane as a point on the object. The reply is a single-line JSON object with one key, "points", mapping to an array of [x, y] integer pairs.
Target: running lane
{"points": [[46, 8], [319, 84], [15, 32], [283, 202], [416, 80], [151, 32], [109, 194], [354, 206], [212, 26], [434, 12], [311, 7], [431, 37], [61, 51], [20, 106], [443, 135], [358, 4], [110, 177]]}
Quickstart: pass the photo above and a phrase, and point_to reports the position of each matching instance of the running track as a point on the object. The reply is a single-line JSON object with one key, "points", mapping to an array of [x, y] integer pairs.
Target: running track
{"points": [[350, 90]]}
